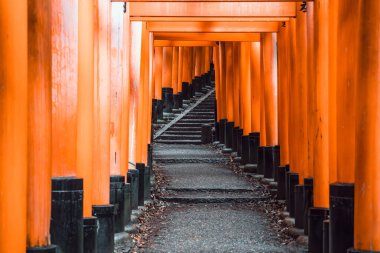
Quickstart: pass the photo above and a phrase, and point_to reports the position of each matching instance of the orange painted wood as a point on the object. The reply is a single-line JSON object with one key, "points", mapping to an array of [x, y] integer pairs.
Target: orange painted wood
{"points": [[207, 36], [263, 135], [64, 86], [346, 77], [135, 53], [180, 68], [175, 70], [102, 75], [206, 0], [14, 123], [210, 19], [39, 123], [320, 106], [311, 79], [367, 162], [270, 87], [184, 43], [229, 84], [332, 92], [125, 116], [236, 27], [255, 59], [222, 76], [116, 86], [245, 86], [235, 84], [186, 66], [198, 61], [202, 61], [299, 96], [167, 67], [85, 100], [216, 61], [207, 59], [158, 72], [151, 89], [283, 93], [211, 9]]}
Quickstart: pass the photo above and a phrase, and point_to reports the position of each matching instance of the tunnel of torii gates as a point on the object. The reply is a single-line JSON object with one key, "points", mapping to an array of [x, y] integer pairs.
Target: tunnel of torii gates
{"points": [[79, 81]]}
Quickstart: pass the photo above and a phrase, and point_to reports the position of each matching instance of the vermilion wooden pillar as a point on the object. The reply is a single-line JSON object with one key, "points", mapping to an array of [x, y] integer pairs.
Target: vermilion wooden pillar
{"points": [[283, 93], [202, 60], [263, 135], [102, 74], [245, 86], [367, 102], [320, 105], [180, 68], [198, 61], [235, 83], [229, 82], [167, 67], [135, 58], [125, 93], [175, 70], [222, 76], [158, 72], [311, 81], [255, 86], [216, 61], [13, 129], [186, 65], [299, 96], [39, 124], [64, 87], [270, 87], [116, 84], [85, 100]]}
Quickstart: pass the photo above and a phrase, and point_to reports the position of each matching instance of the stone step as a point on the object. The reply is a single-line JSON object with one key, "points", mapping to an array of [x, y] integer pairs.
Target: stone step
{"points": [[185, 129], [191, 132], [179, 137], [187, 124], [198, 116], [195, 142], [199, 121]]}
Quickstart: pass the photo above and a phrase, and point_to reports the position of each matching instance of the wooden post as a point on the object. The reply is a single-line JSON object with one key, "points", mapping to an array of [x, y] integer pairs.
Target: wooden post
{"points": [[255, 86], [216, 60], [102, 74], [180, 68], [270, 87], [367, 163], [263, 135], [235, 83], [85, 100], [283, 93], [229, 82], [13, 127], [222, 75], [158, 72], [39, 124], [245, 87], [175, 70], [167, 67]]}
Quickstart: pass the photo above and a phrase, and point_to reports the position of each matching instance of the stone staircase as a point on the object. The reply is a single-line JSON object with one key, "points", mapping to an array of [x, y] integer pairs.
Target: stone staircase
{"points": [[188, 129]]}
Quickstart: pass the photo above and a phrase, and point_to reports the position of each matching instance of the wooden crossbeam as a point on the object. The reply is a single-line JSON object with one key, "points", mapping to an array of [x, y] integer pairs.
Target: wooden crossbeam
{"points": [[211, 19], [208, 36], [213, 27], [212, 9], [186, 43]]}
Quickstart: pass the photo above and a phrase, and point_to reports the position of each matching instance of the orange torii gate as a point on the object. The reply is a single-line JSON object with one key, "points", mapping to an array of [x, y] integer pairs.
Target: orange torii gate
{"points": [[67, 121]]}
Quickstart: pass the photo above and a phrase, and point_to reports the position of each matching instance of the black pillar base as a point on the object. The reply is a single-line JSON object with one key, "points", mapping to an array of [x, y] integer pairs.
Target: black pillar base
{"points": [[160, 109], [127, 203], [326, 236], [150, 155], [268, 158], [117, 199], [299, 206], [66, 223], [216, 133], [316, 216], [281, 172], [206, 134], [260, 160], [133, 179], [141, 170], [147, 170], [222, 130], [154, 110], [341, 217], [185, 91], [293, 180], [44, 249], [244, 149], [90, 231], [228, 135], [361, 251], [234, 139], [308, 201], [275, 161], [106, 219], [239, 140], [168, 101], [254, 143], [176, 102]]}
